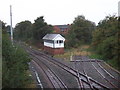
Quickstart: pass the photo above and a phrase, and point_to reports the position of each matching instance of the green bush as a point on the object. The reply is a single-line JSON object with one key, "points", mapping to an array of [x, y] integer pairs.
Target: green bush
{"points": [[14, 66], [96, 56], [105, 40], [114, 63]]}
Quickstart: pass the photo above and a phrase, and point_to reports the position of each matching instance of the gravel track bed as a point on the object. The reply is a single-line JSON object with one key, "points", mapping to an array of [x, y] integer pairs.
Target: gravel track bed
{"points": [[44, 79], [114, 73], [66, 77], [88, 67]]}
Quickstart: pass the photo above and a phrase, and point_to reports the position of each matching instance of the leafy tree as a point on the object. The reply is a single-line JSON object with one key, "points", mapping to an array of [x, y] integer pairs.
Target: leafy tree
{"points": [[23, 30], [8, 29], [3, 25], [40, 29], [71, 39], [82, 30], [105, 38], [14, 65]]}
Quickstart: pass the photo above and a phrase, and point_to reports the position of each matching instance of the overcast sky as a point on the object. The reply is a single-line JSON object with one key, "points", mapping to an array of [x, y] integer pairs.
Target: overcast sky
{"points": [[57, 11]]}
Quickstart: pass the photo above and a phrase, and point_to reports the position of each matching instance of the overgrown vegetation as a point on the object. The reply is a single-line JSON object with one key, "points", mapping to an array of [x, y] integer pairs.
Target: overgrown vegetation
{"points": [[32, 33], [80, 32], [82, 50], [106, 42], [103, 38], [96, 56], [14, 64], [23, 31]]}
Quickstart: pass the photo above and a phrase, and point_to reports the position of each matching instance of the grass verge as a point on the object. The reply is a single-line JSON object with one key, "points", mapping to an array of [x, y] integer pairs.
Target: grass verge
{"points": [[114, 64], [80, 51], [96, 56]]}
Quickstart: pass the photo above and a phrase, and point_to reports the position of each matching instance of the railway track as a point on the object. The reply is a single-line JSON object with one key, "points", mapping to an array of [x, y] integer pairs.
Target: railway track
{"points": [[51, 75], [99, 68], [107, 72], [83, 80], [101, 71], [84, 72], [37, 68], [35, 76]]}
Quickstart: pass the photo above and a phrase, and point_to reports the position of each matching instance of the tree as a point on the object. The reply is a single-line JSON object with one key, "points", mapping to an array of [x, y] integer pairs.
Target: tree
{"points": [[71, 39], [14, 65], [40, 29], [105, 38], [82, 30], [23, 31], [3, 25]]}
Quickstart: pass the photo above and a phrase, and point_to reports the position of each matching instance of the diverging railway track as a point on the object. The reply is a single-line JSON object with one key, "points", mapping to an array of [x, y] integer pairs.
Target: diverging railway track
{"points": [[42, 60]]}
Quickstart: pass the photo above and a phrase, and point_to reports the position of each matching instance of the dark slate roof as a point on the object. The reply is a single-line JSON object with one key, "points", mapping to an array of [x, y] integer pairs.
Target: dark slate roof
{"points": [[62, 26], [51, 36]]}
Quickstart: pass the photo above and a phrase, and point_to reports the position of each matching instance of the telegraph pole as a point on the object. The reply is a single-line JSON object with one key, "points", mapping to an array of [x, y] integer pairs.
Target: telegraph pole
{"points": [[11, 29]]}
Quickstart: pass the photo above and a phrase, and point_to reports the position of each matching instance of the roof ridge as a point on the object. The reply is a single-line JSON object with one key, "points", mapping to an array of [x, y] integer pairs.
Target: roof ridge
{"points": [[51, 36]]}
